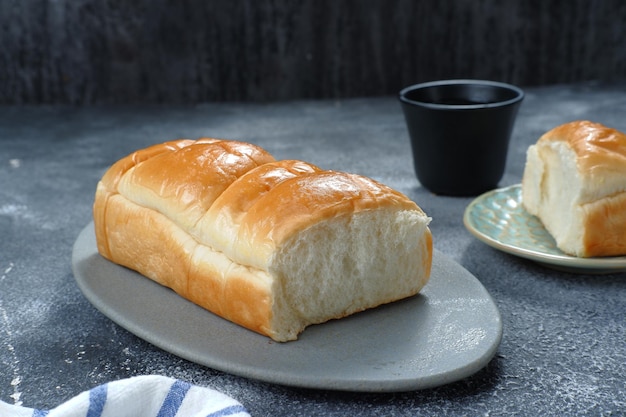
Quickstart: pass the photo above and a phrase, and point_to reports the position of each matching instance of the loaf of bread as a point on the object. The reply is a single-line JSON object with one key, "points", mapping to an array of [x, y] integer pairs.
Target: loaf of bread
{"points": [[575, 183], [273, 246]]}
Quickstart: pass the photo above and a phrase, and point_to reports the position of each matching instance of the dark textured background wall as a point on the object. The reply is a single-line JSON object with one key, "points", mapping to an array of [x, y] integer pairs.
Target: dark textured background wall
{"points": [[113, 51]]}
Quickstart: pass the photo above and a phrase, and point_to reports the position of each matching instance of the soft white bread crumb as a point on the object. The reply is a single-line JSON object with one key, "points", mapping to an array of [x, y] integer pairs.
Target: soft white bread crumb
{"points": [[348, 264]]}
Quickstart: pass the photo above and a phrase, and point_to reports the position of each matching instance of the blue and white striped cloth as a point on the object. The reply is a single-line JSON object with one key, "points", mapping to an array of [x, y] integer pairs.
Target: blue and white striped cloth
{"points": [[142, 396]]}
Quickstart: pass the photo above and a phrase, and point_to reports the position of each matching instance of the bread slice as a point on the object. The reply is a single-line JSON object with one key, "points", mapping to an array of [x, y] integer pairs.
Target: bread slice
{"points": [[575, 182], [273, 246]]}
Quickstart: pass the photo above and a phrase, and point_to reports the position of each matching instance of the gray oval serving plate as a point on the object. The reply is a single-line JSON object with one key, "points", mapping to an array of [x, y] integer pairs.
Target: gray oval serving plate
{"points": [[498, 219], [448, 332]]}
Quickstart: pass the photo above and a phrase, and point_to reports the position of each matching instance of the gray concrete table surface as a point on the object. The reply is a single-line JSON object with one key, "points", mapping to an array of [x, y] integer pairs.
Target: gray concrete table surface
{"points": [[563, 350]]}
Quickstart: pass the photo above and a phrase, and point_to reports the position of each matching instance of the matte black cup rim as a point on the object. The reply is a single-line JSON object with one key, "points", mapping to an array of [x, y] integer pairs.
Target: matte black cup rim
{"points": [[518, 97]]}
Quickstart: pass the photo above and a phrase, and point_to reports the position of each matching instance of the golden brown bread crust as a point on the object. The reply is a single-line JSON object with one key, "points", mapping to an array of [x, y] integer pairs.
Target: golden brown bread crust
{"points": [[146, 241], [605, 229], [109, 183], [206, 218], [152, 245], [183, 184], [600, 149]]}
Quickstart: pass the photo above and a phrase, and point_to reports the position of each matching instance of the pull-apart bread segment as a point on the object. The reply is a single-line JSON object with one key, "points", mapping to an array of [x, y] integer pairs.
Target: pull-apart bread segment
{"points": [[575, 183], [273, 246]]}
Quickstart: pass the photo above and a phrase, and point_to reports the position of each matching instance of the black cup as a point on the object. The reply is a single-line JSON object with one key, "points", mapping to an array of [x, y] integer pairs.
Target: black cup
{"points": [[460, 132]]}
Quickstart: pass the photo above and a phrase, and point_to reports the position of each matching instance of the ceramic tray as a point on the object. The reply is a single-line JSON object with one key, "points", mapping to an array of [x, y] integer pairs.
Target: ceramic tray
{"points": [[446, 333], [498, 219]]}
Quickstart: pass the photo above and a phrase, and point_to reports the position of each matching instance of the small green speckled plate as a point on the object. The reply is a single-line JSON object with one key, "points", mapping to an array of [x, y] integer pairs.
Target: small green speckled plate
{"points": [[498, 219]]}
